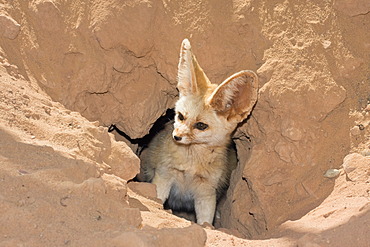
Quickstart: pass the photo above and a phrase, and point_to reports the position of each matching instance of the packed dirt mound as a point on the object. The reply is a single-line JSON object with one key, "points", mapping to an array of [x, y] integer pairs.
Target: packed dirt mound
{"points": [[64, 180], [70, 69]]}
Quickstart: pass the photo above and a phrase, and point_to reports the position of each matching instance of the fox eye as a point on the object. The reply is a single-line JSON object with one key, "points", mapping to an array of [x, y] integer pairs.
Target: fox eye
{"points": [[180, 116], [201, 126]]}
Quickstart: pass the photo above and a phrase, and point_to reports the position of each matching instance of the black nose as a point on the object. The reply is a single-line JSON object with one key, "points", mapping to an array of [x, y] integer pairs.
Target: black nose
{"points": [[177, 138]]}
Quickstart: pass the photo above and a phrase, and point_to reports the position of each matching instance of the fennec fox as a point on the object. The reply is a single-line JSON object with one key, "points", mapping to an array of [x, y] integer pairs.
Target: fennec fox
{"points": [[190, 160]]}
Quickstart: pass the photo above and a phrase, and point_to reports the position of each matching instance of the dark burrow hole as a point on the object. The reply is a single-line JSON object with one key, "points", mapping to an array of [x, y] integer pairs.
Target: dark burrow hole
{"points": [[140, 144]]}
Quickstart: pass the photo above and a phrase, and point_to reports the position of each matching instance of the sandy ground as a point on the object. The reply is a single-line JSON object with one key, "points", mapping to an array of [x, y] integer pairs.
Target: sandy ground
{"points": [[70, 69], [52, 194]]}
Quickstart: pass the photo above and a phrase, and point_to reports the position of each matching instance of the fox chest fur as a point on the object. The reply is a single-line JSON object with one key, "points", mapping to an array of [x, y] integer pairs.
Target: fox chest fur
{"points": [[187, 168], [190, 160]]}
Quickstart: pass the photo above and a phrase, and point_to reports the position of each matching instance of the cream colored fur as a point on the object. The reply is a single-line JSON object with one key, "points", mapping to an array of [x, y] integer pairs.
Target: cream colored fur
{"points": [[191, 162]]}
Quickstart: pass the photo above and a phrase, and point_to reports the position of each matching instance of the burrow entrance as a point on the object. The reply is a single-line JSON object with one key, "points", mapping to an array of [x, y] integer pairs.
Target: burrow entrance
{"points": [[141, 144]]}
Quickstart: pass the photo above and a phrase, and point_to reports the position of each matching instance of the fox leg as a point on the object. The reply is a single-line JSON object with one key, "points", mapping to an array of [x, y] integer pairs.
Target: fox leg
{"points": [[163, 186], [205, 205]]}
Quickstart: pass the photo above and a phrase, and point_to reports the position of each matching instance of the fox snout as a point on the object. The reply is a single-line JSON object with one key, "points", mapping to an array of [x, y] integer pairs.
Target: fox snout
{"points": [[177, 138], [181, 135]]}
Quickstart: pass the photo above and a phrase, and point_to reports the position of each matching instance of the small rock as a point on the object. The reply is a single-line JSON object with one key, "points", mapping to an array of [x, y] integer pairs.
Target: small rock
{"points": [[22, 172], [326, 44], [367, 108], [355, 131], [207, 225], [9, 28], [352, 8], [135, 203], [331, 173], [132, 217], [144, 189], [356, 167]]}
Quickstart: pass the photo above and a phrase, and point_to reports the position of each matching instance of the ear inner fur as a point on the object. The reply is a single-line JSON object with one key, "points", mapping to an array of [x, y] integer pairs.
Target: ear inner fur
{"points": [[236, 96], [186, 75], [202, 80], [191, 77]]}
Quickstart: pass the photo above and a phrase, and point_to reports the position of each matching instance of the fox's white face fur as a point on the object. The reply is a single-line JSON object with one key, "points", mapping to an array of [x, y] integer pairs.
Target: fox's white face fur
{"points": [[190, 162], [207, 113], [198, 123]]}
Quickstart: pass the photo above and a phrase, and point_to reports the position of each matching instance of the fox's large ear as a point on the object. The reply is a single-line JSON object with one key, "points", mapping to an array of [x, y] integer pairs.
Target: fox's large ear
{"points": [[191, 78], [235, 97]]}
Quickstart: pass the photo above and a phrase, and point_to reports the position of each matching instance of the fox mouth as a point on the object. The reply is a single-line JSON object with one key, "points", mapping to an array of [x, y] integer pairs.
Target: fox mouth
{"points": [[186, 142], [181, 140]]}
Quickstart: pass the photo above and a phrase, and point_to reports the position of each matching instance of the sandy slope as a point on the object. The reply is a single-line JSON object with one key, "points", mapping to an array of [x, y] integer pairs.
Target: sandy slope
{"points": [[66, 181], [54, 194]]}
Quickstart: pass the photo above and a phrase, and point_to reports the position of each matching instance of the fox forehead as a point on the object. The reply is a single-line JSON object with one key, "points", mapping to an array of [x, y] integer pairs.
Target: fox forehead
{"points": [[193, 108]]}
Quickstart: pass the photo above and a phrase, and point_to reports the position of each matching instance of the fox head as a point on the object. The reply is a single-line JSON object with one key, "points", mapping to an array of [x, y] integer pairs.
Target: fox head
{"points": [[208, 113]]}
